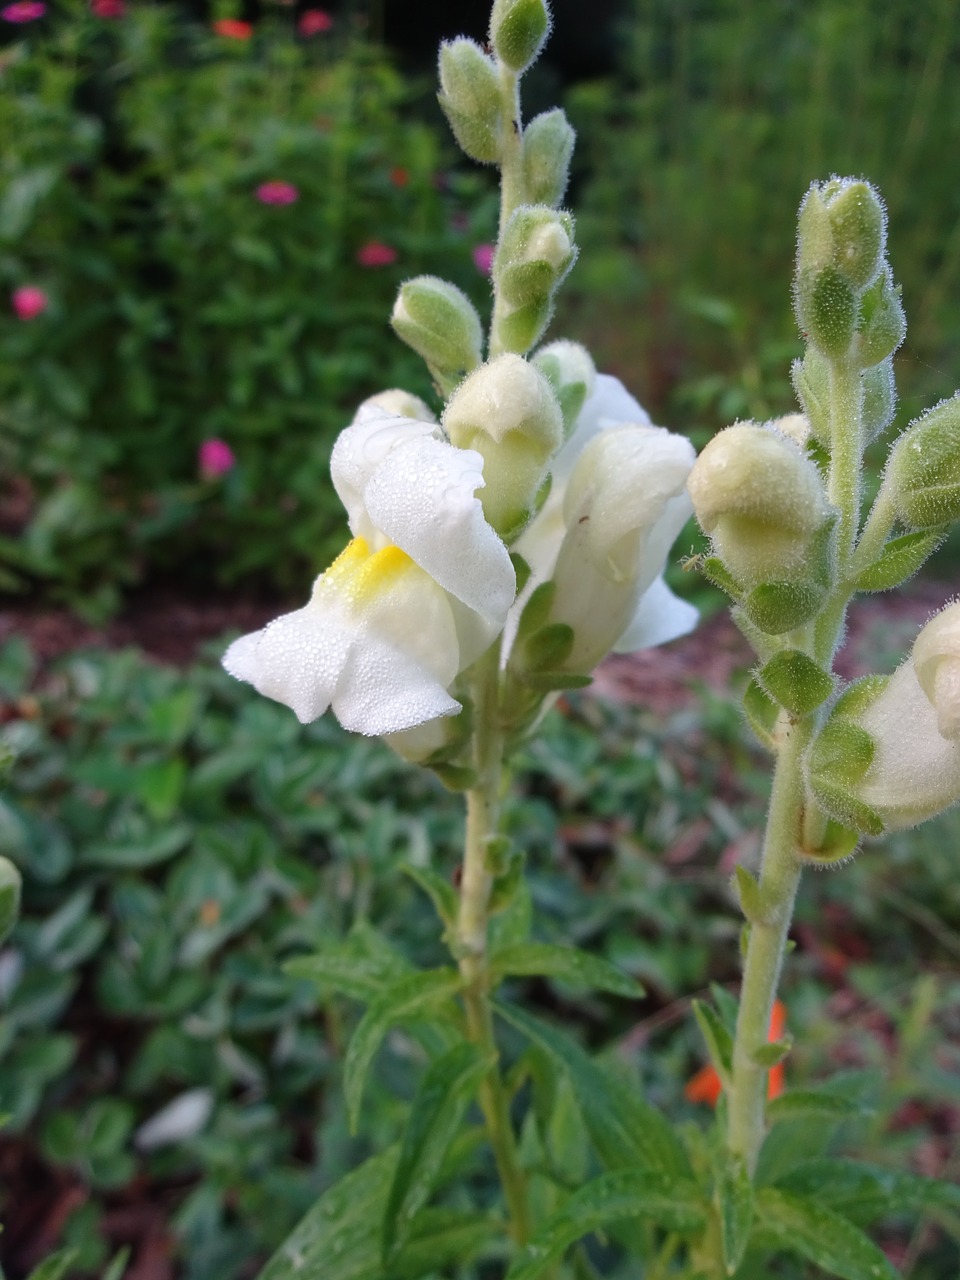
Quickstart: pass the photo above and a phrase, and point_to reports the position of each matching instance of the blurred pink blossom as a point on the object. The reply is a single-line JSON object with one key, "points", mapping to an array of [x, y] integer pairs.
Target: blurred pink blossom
{"points": [[277, 193], [23, 11], [233, 28], [376, 254], [313, 22], [108, 8], [29, 301], [483, 257], [216, 459]]}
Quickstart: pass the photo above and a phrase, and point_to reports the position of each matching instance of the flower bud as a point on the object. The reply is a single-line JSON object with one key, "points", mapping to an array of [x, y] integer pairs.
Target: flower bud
{"points": [[470, 98], [827, 310], [547, 150], [518, 31], [882, 324], [396, 403], [570, 371], [440, 323], [924, 468], [507, 412], [859, 228], [533, 257], [762, 501]]}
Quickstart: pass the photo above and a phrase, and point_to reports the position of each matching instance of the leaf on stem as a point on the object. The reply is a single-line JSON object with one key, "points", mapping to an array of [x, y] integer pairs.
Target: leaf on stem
{"points": [[899, 560], [812, 1231], [569, 964], [865, 1191], [734, 1193]]}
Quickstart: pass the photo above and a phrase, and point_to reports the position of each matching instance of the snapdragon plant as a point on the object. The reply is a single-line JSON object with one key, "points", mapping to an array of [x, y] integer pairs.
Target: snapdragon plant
{"points": [[499, 549]]}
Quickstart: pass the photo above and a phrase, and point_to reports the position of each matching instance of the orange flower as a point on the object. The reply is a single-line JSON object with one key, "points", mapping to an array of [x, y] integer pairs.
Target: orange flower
{"points": [[233, 29], [705, 1086]]}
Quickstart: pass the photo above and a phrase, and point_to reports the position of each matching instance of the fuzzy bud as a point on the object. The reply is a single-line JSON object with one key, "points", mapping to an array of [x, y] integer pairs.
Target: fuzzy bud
{"points": [[507, 411], [518, 31], [533, 257], [547, 150], [470, 98], [924, 468], [440, 323], [882, 324], [859, 228], [568, 368]]}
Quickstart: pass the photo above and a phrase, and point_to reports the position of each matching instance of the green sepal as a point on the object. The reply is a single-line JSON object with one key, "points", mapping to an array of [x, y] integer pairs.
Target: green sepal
{"points": [[858, 696], [773, 1052], [842, 750], [715, 571], [838, 803], [776, 607], [811, 381], [536, 612], [718, 1040], [518, 330], [762, 713], [882, 325], [526, 282], [10, 886], [548, 648], [899, 560], [838, 844], [814, 1232], [827, 308], [568, 964], [797, 682], [750, 896], [437, 1112], [734, 1198], [521, 569], [879, 398], [506, 884], [455, 777], [442, 894]]}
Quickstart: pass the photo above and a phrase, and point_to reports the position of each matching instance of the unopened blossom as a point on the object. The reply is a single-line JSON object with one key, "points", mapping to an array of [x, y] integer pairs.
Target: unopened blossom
{"points": [[23, 11], [277, 192], [483, 257], [215, 458], [233, 28], [314, 22], [421, 590], [29, 301], [376, 254]]}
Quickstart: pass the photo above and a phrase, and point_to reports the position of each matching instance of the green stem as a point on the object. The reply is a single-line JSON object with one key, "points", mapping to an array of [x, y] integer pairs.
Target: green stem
{"points": [[512, 189], [846, 453], [471, 938], [779, 878]]}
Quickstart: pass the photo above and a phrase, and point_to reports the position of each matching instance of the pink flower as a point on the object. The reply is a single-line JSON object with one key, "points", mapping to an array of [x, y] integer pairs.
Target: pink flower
{"points": [[483, 257], [376, 254], [23, 11], [216, 458], [233, 29], [277, 193], [29, 301], [313, 22], [107, 8]]}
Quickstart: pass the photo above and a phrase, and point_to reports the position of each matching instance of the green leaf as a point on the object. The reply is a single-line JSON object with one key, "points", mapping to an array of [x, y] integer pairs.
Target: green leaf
{"points": [[812, 1231], [441, 892], [773, 1053], [672, 1203], [735, 1203], [118, 1265], [337, 1239], [357, 968], [866, 1191], [56, 1266], [626, 1131], [543, 959], [899, 560], [751, 899], [152, 851], [411, 996], [794, 680], [435, 1118], [718, 1039], [160, 786], [443, 1238]]}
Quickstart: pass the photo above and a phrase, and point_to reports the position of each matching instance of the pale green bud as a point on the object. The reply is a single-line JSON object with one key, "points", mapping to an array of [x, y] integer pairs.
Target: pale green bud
{"points": [[536, 252], [879, 398], [518, 31], [568, 368], [440, 323], [470, 98], [547, 150], [397, 402], [10, 883], [763, 503], [859, 228], [882, 324], [924, 468], [507, 412]]}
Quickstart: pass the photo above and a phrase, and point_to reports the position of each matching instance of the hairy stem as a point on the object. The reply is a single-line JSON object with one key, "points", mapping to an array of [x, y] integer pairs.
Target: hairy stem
{"points": [[512, 192]]}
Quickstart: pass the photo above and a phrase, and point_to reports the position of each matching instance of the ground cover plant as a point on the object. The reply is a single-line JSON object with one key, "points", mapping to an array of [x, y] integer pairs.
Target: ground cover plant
{"points": [[202, 866]]}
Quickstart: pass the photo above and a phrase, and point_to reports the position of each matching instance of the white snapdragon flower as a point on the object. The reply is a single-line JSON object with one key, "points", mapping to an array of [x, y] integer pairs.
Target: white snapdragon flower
{"points": [[422, 589], [617, 502]]}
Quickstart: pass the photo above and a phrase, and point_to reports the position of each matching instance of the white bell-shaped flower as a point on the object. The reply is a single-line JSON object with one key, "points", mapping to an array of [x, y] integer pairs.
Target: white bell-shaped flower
{"points": [[421, 591], [617, 502]]}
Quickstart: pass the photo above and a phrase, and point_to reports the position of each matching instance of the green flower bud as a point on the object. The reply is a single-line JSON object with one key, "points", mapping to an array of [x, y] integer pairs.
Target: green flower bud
{"points": [[547, 150], [9, 896], [518, 31], [859, 227], [882, 324], [507, 412], [535, 254], [827, 310], [764, 504], [879, 398], [924, 468], [470, 98], [440, 323], [568, 368]]}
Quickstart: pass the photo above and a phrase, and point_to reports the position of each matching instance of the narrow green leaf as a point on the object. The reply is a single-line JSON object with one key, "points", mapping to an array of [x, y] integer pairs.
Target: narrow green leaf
{"points": [[773, 1053], [735, 1203], [865, 1191], [809, 1102], [543, 959], [672, 1203], [358, 967], [156, 849], [337, 1239], [118, 1265], [56, 1266], [900, 560], [441, 892], [626, 1131], [435, 1118], [408, 997], [718, 1039], [751, 898], [812, 1231], [444, 1238]]}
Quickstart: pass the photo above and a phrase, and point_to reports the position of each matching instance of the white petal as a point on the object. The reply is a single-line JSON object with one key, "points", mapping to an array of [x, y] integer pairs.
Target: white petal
{"points": [[359, 452], [180, 1119], [660, 616], [296, 660]]}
